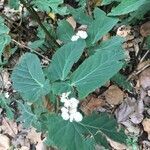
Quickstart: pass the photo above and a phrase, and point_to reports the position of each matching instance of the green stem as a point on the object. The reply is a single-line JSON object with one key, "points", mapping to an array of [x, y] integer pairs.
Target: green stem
{"points": [[37, 18]]}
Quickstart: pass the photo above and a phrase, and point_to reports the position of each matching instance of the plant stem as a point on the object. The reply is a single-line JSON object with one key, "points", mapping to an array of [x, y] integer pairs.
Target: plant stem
{"points": [[37, 18]]}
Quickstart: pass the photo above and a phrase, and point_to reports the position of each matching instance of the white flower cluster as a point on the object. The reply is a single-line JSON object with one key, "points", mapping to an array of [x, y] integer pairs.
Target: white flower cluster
{"points": [[69, 111], [80, 34]]}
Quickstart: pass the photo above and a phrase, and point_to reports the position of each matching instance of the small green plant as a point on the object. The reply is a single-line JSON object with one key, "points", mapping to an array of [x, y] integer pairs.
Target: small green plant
{"points": [[66, 80]]}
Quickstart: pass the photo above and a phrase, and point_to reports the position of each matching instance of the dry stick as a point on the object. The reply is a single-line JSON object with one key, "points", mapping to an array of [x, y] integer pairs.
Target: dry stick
{"points": [[37, 18], [22, 45], [144, 56]]}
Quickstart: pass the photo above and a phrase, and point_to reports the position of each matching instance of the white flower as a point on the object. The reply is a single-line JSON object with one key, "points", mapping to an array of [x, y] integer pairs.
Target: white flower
{"points": [[73, 102], [72, 110], [64, 97], [78, 117], [75, 38], [65, 115], [63, 110], [82, 34], [69, 111]]}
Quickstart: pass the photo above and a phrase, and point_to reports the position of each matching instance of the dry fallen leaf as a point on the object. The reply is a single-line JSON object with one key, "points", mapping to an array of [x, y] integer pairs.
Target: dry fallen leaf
{"points": [[91, 104], [72, 22], [123, 31], [4, 79], [114, 95], [4, 142], [24, 148], [9, 127], [145, 29], [144, 79], [130, 110], [34, 136], [146, 126], [41, 146], [116, 145]]}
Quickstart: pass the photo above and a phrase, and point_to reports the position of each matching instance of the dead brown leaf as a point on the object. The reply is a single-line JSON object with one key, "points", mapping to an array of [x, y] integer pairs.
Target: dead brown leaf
{"points": [[146, 126], [145, 29], [72, 22], [34, 136], [91, 104], [9, 127], [144, 79], [4, 142], [114, 95], [130, 110], [116, 145], [123, 31]]}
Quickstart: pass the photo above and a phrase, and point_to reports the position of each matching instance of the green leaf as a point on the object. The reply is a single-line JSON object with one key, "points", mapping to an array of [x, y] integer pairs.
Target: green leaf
{"points": [[126, 6], [96, 71], [36, 44], [113, 43], [50, 5], [105, 126], [4, 103], [139, 13], [69, 131], [14, 4], [100, 26], [64, 58], [80, 16], [61, 87], [28, 118], [85, 134], [121, 80], [28, 78], [64, 31]]}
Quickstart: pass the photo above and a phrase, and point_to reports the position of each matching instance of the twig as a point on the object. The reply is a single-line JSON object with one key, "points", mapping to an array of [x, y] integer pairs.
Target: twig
{"points": [[144, 56], [22, 45], [37, 18], [135, 73]]}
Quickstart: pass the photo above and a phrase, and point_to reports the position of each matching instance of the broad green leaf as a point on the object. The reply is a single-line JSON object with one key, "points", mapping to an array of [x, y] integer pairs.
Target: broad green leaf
{"points": [[61, 87], [96, 71], [113, 43], [64, 31], [64, 58], [104, 125], [84, 134], [50, 5], [28, 118], [14, 4], [28, 78], [66, 135], [121, 80], [139, 13], [126, 6], [80, 16], [100, 26], [4, 104]]}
